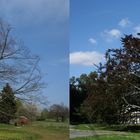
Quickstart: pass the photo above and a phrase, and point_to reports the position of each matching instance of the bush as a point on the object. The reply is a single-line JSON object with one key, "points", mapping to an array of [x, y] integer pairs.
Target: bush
{"points": [[130, 128]]}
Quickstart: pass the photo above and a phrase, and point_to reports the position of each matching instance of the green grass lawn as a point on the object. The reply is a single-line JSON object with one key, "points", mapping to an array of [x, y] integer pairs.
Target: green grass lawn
{"points": [[35, 131], [123, 127]]}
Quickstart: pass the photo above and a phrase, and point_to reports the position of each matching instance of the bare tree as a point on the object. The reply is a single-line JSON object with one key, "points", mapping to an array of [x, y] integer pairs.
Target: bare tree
{"points": [[59, 112], [18, 66]]}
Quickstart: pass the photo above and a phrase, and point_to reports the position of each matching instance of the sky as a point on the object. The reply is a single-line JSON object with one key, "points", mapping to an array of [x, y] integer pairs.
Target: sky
{"points": [[95, 26], [43, 26], [69, 43]]}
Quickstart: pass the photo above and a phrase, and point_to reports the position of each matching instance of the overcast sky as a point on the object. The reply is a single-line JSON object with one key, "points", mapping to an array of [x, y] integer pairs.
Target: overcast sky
{"points": [[95, 26], [43, 27]]}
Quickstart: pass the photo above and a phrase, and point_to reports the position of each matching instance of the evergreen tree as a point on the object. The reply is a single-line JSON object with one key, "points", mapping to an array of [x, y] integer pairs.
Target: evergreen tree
{"points": [[7, 104]]}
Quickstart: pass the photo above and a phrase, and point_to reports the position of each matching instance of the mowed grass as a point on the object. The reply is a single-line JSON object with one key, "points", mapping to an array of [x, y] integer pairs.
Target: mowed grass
{"points": [[42, 130], [111, 137]]}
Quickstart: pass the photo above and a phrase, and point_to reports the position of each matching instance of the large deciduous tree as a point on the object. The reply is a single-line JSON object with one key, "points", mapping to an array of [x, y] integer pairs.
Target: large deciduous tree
{"points": [[18, 66], [116, 93], [123, 70]]}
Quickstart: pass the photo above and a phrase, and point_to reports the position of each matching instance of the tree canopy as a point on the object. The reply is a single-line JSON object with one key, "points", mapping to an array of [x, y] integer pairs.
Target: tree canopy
{"points": [[114, 93]]}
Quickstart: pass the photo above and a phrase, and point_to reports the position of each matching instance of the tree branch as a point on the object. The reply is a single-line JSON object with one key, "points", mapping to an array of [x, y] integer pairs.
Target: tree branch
{"points": [[131, 105]]}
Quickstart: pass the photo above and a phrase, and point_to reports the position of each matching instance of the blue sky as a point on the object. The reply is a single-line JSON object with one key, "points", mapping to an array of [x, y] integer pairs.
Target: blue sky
{"points": [[43, 27], [95, 26]]}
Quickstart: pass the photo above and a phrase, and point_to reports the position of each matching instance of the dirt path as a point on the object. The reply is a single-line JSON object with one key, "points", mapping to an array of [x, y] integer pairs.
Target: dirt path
{"points": [[84, 133]]}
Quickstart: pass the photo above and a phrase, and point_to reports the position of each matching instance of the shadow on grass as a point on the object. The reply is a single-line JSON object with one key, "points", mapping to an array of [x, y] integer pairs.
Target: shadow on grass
{"points": [[130, 128]]}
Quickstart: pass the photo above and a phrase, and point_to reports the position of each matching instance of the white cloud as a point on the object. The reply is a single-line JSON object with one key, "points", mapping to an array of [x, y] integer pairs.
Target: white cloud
{"points": [[86, 58], [33, 11], [124, 22], [137, 29], [92, 41], [114, 33], [109, 35]]}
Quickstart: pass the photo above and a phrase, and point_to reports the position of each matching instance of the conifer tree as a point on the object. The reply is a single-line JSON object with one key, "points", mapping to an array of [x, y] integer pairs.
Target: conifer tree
{"points": [[7, 104]]}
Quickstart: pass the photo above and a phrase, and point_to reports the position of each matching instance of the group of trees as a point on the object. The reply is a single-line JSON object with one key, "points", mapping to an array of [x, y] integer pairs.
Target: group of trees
{"points": [[113, 91], [59, 112], [11, 108], [79, 89]]}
